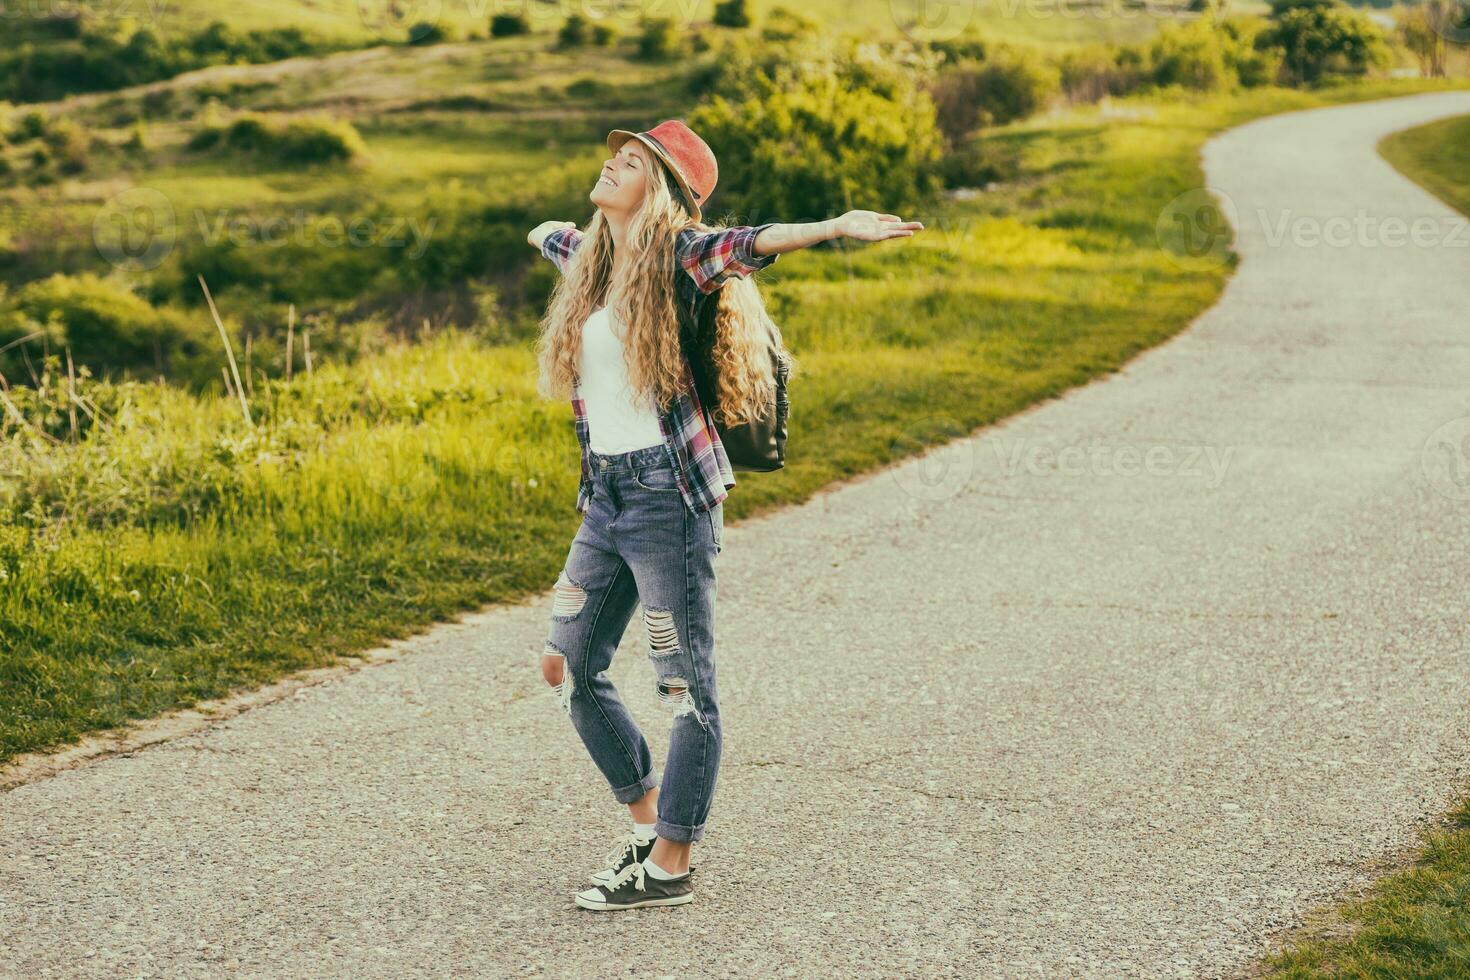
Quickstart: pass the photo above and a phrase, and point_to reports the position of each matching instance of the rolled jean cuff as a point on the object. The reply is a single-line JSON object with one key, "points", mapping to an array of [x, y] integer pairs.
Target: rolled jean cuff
{"points": [[677, 832], [630, 794]]}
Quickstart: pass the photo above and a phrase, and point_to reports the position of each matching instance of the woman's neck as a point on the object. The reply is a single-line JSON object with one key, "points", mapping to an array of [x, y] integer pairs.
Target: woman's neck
{"points": [[617, 227]]}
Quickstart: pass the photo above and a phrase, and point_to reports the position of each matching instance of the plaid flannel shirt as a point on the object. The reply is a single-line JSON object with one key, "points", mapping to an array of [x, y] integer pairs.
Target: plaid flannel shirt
{"points": [[701, 468]]}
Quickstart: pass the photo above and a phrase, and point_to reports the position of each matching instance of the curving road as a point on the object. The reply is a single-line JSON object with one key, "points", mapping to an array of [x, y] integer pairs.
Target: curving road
{"points": [[1118, 711]]}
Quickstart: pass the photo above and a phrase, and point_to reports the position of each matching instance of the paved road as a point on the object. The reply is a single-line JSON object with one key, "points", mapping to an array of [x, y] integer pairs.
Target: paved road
{"points": [[980, 721]]}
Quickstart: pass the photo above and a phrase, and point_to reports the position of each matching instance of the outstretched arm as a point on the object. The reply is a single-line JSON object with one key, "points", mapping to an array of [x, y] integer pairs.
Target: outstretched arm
{"points": [[867, 226]]}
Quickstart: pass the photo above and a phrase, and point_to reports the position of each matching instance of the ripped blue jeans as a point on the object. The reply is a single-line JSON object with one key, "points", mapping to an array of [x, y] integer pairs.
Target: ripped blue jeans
{"points": [[639, 543]]}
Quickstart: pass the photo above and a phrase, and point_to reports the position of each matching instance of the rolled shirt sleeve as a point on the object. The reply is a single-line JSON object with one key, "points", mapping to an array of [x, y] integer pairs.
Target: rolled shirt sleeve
{"points": [[560, 245], [712, 257]]}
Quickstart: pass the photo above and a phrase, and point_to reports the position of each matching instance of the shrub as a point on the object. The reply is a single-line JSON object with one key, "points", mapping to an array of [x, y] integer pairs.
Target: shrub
{"points": [[99, 58], [1089, 73], [1190, 56], [105, 324], [573, 33], [820, 146], [427, 32], [509, 25], [603, 34], [298, 141], [658, 39], [68, 144], [783, 24], [1321, 38], [1012, 84], [731, 13], [979, 162]]}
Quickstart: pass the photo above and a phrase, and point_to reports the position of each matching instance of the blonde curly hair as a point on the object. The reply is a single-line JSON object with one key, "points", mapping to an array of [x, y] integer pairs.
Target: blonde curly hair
{"points": [[744, 331]]}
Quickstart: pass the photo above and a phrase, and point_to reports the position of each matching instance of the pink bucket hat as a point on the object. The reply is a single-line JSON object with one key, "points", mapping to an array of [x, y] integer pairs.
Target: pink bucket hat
{"points": [[688, 158]]}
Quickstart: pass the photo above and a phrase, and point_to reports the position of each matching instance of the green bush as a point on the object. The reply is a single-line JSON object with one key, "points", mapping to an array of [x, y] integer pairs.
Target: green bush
{"points": [[1190, 56], [104, 324], [96, 58], [1090, 72], [731, 13], [1319, 39], [509, 25], [300, 141], [784, 24], [427, 32], [574, 32], [1011, 84], [658, 39], [603, 34], [818, 146]]}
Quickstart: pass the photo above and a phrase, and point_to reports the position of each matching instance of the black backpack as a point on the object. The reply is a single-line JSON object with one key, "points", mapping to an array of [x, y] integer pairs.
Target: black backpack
{"points": [[759, 445]]}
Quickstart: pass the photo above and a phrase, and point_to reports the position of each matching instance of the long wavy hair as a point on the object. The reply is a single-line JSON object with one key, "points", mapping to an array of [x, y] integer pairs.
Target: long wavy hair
{"points": [[744, 331]]}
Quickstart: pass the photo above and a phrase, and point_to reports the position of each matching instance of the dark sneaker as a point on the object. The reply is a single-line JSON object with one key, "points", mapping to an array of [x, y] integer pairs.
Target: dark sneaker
{"points": [[634, 888], [627, 849]]}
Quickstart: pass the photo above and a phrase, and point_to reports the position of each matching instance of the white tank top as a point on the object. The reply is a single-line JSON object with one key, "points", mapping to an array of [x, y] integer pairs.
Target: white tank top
{"points": [[615, 424]]}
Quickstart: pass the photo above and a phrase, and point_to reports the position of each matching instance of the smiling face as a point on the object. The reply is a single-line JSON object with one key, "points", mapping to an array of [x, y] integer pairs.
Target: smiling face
{"points": [[624, 178]]}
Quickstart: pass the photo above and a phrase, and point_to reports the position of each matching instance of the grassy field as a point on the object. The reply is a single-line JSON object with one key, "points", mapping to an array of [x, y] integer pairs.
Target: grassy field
{"points": [[1414, 922], [181, 553], [1437, 157], [365, 21]]}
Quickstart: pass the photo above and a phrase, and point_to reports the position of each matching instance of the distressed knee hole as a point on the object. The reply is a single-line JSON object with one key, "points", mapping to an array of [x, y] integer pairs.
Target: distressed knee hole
{"points": [[663, 636], [674, 693], [570, 597], [554, 669]]}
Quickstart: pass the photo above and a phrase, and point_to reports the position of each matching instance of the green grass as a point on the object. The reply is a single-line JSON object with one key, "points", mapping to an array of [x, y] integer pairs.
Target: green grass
{"points": [[1414, 922], [1436, 156], [1038, 20], [180, 554]]}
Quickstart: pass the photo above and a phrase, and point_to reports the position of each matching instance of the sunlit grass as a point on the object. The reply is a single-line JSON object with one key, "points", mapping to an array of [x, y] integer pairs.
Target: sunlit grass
{"points": [[1436, 156]]}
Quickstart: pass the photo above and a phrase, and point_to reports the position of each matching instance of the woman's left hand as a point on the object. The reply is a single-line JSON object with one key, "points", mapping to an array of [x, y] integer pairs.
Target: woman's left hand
{"points": [[873, 226]]}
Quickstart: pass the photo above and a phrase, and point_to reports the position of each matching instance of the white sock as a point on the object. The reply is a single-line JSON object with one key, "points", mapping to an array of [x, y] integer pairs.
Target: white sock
{"points": [[657, 872], [643, 829]]}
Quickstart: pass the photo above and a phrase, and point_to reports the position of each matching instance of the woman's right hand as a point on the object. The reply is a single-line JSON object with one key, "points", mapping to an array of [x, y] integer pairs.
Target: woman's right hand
{"points": [[539, 233]]}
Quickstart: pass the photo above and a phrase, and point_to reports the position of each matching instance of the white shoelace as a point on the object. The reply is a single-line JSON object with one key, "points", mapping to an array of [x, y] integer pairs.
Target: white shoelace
{"points": [[627, 844], [634, 871]]}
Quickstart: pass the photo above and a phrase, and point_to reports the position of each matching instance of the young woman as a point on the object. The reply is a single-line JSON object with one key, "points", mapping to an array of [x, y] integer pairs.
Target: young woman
{"points": [[654, 473]]}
